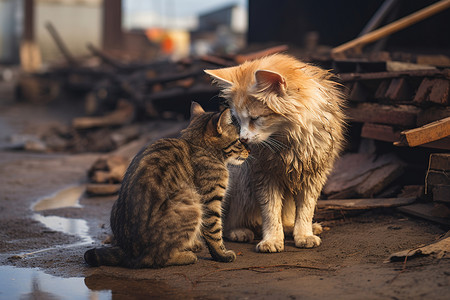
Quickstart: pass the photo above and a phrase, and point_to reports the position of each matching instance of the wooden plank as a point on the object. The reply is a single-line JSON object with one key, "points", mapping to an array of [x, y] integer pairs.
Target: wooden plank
{"points": [[358, 92], [346, 77], [425, 211], [440, 91], [440, 161], [425, 134], [393, 27], [441, 193], [380, 132], [435, 90], [379, 179], [404, 115], [366, 203], [399, 90], [381, 89], [124, 114]]}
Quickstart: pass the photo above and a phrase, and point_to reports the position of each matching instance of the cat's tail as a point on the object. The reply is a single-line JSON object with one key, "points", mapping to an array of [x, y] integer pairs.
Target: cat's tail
{"points": [[105, 256]]}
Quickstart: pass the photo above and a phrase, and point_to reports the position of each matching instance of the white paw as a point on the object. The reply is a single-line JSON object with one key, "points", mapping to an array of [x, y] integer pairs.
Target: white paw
{"points": [[242, 235], [308, 241], [270, 246]]}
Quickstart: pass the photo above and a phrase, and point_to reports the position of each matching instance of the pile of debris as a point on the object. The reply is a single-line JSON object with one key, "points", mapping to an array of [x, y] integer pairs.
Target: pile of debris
{"points": [[399, 114]]}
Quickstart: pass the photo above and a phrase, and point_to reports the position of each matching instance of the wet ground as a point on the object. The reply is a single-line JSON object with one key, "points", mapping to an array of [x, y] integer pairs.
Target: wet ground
{"points": [[42, 242]]}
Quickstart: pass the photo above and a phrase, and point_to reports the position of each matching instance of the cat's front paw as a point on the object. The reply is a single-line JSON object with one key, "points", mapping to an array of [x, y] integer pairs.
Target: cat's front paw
{"points": [[270, 246], [227, 256], [241, 235], [308, 241]]}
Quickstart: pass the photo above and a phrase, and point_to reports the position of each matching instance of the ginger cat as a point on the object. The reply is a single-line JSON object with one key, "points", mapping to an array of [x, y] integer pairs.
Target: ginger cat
{"points": [[291, 115]]}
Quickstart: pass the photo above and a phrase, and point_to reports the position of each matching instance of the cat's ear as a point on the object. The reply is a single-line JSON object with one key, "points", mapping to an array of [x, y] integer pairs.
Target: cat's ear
{"points": [[196, 109], [270, 81], [224, 119], [222, 76]]}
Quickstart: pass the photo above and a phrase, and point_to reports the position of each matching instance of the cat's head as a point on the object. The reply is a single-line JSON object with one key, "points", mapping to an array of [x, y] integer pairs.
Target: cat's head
{"points": [[257, 93], [221, 133]]}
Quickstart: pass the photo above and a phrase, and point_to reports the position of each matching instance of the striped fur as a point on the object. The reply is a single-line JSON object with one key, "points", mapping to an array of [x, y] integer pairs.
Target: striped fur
{"points": [[172, 194]]}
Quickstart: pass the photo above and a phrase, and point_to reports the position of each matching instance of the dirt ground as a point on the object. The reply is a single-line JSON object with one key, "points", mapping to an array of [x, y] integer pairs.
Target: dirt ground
{"points": [[350, 264]]}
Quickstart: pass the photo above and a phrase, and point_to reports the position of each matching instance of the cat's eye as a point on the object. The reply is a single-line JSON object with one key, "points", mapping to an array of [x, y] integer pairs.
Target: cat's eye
{"points": [[253, 119]]}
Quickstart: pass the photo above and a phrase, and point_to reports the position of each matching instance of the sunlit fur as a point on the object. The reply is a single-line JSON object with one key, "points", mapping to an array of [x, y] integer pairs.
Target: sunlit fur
{"points": [[291, 115], [172, 194]]}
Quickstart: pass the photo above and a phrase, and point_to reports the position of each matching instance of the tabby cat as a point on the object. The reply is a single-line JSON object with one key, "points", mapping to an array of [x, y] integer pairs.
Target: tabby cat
{"points": [[172, 194], [291, 115]]}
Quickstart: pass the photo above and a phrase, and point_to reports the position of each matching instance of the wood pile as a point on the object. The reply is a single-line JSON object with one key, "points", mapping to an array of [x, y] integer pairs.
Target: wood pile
{"points": [[399, 116]]}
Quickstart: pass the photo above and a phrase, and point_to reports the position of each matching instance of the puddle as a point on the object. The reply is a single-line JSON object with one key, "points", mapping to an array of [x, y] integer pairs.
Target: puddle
{"points": [[76, 227], [68, 197], [18, 283]]}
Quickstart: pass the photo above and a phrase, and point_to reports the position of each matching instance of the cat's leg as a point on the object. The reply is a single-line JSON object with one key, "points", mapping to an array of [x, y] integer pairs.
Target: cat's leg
{"points": [[240, 209], [212, 229], [270, 198], [304, 230]]}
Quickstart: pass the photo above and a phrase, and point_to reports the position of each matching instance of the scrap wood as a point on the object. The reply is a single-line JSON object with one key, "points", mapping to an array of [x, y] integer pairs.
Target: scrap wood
{"points": [[345, 77], [393, 27], [425, 211], [124, 114], [363, 204], [428, 133], [438, 249], [433, 90], [403, 115], [380, 132], [60, 44], [362, 174]]}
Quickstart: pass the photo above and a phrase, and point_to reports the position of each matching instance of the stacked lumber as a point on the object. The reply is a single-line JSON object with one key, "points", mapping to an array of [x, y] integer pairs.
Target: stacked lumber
{"points": [[398, 106]]}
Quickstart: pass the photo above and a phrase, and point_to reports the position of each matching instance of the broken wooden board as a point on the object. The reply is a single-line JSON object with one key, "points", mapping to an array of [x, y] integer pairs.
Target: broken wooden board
{"points": [[124, 114], [380, 132], [433, 90], [362, 175], [437, 249], [425, 211], [403, 115], [428, 133], [364, 204]]}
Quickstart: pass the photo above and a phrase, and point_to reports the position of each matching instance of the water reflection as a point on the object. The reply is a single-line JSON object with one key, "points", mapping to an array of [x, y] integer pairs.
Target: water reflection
{"points": [[16, 283], [68, 197], [121, 288], [76, 227]]}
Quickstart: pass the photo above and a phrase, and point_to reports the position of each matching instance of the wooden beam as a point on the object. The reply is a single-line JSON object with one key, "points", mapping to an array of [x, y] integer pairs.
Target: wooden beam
{"points": [[428, 133], [369, 203], [393, 27], [403, 115], [380, 132]]}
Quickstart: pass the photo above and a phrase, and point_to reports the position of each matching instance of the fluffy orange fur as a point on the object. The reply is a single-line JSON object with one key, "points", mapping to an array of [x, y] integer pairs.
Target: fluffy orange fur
{"points": [[291, 115]]}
